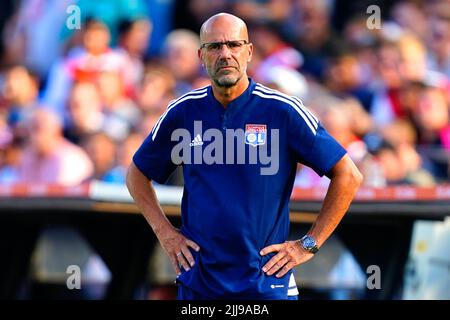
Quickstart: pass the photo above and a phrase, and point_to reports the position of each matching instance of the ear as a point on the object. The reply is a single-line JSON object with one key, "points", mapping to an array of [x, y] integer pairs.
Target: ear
{"points": [[200, 56], [250, 52]]}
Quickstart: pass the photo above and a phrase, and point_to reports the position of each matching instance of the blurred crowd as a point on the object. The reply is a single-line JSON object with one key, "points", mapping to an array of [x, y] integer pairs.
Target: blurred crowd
{"points": [[75, 104]]}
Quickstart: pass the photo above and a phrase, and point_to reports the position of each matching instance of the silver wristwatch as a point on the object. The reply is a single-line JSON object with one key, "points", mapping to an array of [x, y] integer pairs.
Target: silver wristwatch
{"points": [[309, 244]]}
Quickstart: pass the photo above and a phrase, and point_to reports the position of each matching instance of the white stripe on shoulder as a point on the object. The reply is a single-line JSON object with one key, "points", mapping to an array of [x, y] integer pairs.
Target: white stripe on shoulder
{"points": [[296, 100], [173, 104], [193, 92], [305, 108], [196, 91], [289, 102]]}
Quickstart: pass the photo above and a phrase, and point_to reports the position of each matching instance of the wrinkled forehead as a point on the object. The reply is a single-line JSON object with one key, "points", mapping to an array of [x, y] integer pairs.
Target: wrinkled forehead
{"points": [[223, 30]]}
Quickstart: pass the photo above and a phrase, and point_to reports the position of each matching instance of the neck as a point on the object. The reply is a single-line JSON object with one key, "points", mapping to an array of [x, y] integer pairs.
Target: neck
{"points": [[225, 95]]}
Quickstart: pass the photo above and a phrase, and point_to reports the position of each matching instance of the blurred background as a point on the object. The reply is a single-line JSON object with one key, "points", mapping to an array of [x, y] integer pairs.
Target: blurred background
{"points": [[81, 87]]}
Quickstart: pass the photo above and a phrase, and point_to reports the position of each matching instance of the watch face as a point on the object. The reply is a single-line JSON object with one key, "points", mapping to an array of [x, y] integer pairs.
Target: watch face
{"points": [[308, 242]]}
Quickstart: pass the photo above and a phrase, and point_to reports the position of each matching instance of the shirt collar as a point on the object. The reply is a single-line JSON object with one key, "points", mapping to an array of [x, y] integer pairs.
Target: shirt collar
{"points": [[239, 101]]}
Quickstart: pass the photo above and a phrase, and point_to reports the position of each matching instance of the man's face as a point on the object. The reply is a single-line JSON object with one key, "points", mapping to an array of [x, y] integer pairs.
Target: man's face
{"points": [[226, 63], [44, 132]]}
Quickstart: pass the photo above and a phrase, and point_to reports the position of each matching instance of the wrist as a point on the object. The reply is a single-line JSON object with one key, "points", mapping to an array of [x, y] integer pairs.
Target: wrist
{"points": [[163, 229], [309, 243]]}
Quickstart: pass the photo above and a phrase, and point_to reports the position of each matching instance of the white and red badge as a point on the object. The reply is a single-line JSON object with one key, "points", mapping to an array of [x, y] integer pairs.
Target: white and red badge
{"points": [[255, 134]]}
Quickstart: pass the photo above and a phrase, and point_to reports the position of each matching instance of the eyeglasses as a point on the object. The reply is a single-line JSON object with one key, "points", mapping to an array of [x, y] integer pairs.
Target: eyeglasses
{"points": [[233, 46]]}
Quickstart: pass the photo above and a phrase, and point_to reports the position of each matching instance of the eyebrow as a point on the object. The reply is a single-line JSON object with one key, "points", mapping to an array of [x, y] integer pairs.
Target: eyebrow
{"points": [[223, 42]]}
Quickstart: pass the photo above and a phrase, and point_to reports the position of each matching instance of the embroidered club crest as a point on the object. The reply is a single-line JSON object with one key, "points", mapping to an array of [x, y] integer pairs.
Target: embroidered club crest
{"points": [[255, 134]]}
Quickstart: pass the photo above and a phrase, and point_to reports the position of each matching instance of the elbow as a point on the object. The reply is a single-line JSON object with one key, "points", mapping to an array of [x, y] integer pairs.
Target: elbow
{"points": [[135, 178], [346, 172], [350, 174], [129, 177], [358, 177]]}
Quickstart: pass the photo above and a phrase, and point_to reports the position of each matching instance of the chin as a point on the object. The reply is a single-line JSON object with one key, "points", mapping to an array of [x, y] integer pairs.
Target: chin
{"points": [[227, 82]]}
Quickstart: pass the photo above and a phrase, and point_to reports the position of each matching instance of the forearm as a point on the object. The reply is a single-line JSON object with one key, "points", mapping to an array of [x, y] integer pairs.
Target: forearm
{"points": [[173, 242], [340, 194], [143, 193], [345, 180]]}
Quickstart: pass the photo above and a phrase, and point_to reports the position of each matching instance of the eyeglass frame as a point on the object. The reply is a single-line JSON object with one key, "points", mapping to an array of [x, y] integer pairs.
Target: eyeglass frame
{"points": [[203, 45]]}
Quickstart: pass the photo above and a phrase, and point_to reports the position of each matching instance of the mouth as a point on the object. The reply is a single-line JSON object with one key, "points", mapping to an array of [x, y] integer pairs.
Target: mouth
{"points": [[225, 68]]}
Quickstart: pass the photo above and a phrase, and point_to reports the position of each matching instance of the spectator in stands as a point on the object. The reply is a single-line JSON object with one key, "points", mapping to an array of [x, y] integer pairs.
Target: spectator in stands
{"points": [[274, 51], [287, 80], [101, 150], [6, 135], [33, 35], [390, 163], [344, 77], [385, 106], [268, 11], [431, 116], [315, 38], [415, 172], [180, 52], [411, 17], [125, 154], [134, 37], [85, 112], [402, 66], [402, 165], [10, 151], [110, 13], [20, 94], [413, 54], [438, 40], [362, 42], [341, 121], [100, 88], [147, 123], [157, 89], [347, 122], [86, 64], [397, 156], [49, 157], [10, 159], [121, 113]]}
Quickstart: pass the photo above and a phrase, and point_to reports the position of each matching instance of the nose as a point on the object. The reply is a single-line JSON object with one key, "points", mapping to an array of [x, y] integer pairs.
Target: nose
{"points": [[224, 51]]}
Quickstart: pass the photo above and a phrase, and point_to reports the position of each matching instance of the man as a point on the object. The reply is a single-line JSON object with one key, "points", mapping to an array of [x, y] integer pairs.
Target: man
{"points": [[49, 157], [235, 215]]}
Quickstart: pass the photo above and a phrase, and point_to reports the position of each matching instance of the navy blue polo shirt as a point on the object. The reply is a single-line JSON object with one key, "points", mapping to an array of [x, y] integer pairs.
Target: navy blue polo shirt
{"points": [[229, 207]]}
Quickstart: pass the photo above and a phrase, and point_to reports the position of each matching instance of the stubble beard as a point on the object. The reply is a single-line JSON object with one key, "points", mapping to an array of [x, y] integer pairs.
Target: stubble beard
{"points": [[227, 80]]}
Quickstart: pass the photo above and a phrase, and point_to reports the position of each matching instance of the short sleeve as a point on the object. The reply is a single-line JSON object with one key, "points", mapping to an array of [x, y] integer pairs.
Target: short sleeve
{"points": [[311, 144], [153, 158]]}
